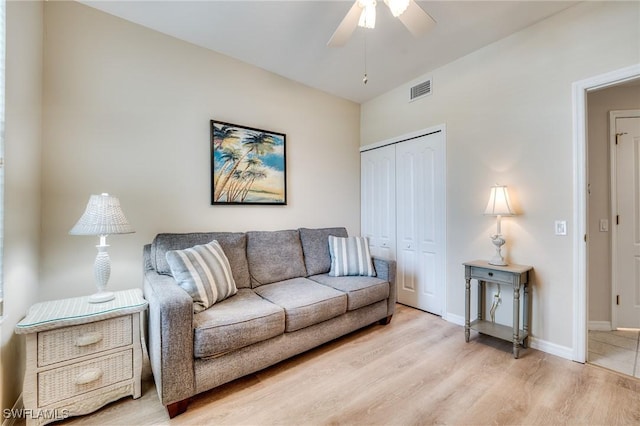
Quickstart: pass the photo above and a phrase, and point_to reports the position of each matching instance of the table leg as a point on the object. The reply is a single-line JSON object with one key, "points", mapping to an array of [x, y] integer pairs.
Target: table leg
{"points": [[481, 295], [516, 321], [525, 316], [467, 309]]}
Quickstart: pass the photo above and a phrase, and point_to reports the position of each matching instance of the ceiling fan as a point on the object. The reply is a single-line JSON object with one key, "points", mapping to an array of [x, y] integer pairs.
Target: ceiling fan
{"points": [[363, 14]]}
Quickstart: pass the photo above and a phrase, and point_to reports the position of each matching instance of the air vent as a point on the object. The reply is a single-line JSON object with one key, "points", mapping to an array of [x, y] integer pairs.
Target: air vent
{"points": [[420, 90]]}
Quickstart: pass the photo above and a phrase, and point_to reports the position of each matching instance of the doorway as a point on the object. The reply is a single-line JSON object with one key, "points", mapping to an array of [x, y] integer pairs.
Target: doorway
{"points": [[625, 235], [614, 340], [614, 314], [593, 221]]}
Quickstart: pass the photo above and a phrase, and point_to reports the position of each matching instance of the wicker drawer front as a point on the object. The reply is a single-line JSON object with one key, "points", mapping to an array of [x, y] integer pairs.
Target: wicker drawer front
{"points": [[79, 340], [66, 382]]}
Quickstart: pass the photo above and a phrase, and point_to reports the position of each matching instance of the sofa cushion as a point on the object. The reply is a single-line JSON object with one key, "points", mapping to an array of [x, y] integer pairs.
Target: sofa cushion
{"points": [[315, 245], [234, 245], [204, 272], [361, 291], [239, 321], [350, 256], [274, 256], [304, 302]]}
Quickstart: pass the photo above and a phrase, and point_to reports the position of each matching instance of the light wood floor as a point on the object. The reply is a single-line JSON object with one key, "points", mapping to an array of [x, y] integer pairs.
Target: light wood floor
{"points": [[416, 370]]}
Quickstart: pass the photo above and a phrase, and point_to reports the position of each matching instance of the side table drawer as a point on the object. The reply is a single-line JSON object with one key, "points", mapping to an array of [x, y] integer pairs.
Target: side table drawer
{"points": [[80, 340], [73, 380], [483, 274]]}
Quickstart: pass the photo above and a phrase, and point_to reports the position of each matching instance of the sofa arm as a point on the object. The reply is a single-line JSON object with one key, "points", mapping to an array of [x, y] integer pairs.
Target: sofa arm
{"points": [[386, 270], [170, 337]]}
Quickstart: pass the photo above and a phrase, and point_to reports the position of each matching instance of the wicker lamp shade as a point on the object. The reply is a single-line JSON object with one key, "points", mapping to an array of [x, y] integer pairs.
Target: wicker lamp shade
{"points": [[103, 216]]}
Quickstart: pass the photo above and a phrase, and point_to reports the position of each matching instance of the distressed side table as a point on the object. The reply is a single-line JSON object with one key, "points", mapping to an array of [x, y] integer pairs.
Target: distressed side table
{"points": [[516, 276], [81, 355]]}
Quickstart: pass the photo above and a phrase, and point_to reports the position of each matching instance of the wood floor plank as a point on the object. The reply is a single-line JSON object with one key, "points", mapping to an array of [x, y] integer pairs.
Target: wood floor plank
{"points": [[416, 370]]}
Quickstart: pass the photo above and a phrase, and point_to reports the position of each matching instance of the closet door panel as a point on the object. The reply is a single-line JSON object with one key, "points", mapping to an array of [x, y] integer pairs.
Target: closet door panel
{"points": [[378, 214], [407, 189], [385, 207], [420, 198]]}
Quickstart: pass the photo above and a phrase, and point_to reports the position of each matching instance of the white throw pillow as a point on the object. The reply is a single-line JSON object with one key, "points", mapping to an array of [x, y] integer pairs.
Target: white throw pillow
{"points": [[350, 256], [204, 272]]}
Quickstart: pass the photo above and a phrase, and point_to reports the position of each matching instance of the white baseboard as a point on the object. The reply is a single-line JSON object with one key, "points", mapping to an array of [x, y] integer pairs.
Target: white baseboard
{"points": [[551, 348], [539, 344], [600, 325], [456, 319], [10, 420]]}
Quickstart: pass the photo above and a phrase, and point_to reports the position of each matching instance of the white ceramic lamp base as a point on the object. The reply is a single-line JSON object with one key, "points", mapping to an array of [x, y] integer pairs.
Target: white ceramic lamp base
{"points": [[102, 272], [498, 259], [101, 297]]}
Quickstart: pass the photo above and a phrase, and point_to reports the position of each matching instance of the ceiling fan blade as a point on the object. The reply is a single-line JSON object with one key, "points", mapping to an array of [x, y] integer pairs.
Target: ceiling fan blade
{"points": [[346, 27], [417, 21]]}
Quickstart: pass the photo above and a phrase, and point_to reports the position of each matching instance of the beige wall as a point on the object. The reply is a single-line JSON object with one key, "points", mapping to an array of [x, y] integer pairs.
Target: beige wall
{"points": [[22, 183], [127, 110], [599, 104], [508, 112]]}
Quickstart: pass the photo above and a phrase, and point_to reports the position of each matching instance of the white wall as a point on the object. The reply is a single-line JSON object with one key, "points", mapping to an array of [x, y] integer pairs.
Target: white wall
{"points": [[508, 112], [599, 103], [127, 110], [22, 183]]}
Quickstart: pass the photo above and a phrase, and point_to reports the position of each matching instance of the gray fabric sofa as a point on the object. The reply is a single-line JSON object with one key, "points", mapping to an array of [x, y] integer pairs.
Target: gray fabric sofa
{"points": [[286, 304]]}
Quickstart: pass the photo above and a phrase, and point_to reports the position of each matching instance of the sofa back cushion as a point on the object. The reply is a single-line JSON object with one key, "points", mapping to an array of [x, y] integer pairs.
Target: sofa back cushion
{"points": [[315, 245], [274, 256], [233, 244]]}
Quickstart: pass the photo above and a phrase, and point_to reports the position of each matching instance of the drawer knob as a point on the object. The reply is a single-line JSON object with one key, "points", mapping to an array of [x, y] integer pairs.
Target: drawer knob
{"points": [[88, 376], [90, 338], [490, 274]]}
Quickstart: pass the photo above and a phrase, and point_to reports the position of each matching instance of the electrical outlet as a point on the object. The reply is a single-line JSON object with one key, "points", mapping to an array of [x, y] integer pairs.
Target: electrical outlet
{"points": [[561, 227]]}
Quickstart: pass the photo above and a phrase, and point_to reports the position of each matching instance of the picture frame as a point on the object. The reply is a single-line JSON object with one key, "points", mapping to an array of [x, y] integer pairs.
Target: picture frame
{"points": [[248, 165]]}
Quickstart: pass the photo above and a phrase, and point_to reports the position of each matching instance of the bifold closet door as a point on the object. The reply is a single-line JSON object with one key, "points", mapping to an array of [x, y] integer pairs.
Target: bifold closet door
{"points": [[378, 202], [420, 218]]}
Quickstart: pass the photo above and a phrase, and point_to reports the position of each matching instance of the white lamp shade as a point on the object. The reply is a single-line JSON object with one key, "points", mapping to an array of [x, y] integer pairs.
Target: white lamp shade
{"points": [[103, 216], [499, 203]]}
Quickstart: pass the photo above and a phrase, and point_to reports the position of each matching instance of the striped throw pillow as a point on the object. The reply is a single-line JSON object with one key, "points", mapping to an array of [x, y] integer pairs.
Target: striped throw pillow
{"points": [[204, 272], [350, 256]]}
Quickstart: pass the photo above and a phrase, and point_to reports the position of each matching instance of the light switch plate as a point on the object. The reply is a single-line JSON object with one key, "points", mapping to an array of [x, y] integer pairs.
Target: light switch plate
{"points": [[604, 225], [561, 227]]}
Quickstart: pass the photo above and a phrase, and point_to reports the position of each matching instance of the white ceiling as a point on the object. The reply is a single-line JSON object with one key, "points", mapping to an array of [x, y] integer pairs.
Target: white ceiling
{"points": [[290, 38]]}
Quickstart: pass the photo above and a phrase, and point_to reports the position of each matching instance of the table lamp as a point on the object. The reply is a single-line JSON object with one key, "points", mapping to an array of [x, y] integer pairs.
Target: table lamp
{"points": [[103, 216], [498, 205]]}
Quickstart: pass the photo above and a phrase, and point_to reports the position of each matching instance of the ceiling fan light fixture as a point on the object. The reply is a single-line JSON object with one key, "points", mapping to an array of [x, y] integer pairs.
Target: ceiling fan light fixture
{"points": [[363, 13], [368, 15], [397, 7]]}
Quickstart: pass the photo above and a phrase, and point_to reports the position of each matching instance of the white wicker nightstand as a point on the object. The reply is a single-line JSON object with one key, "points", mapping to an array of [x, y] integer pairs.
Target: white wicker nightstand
{"points": [[80, 355]]}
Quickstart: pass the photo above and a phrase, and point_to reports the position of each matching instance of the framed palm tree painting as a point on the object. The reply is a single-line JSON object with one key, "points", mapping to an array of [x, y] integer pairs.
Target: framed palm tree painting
{"points": [[247, 165]]}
